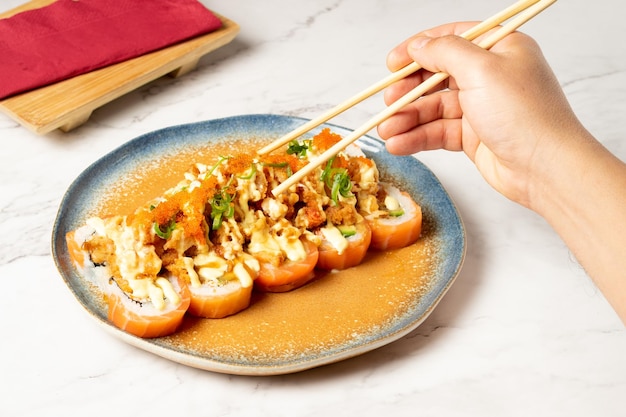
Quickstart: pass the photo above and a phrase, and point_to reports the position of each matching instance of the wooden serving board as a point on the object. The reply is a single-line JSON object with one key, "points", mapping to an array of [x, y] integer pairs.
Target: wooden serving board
{"points": [[68, 104]]}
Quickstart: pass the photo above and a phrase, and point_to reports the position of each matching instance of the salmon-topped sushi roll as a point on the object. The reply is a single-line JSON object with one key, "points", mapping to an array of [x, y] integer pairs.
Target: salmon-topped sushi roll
{"points": [[154, 309], [218, 288], [398, 221]]}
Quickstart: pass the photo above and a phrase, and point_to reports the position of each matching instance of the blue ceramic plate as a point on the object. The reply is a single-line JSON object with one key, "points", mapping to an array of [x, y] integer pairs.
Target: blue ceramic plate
{"points": [[338, 316]]}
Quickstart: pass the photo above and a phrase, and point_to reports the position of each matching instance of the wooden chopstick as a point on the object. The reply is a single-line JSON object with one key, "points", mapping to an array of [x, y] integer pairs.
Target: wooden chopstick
{"points": [[408, 98], [470, 35]]}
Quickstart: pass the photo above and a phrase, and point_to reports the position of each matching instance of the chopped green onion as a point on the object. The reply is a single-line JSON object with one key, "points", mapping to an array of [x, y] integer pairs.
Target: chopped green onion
{"points": [[297, 148], [276, 164], [326, 172], [217, 164], [250, 174], [341, 184], [337, 180], [221, 207], [169, 228], [280, 165]]}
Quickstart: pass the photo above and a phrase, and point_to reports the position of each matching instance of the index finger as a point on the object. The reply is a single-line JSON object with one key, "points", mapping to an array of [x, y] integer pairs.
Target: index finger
{"points": [[398, 56]]}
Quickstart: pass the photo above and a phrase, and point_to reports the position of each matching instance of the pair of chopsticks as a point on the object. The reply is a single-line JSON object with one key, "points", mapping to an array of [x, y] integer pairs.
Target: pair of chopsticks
{"points": [[523, 10]]}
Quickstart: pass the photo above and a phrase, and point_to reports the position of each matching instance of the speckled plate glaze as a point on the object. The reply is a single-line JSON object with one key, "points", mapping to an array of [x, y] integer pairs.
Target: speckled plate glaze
{"points": [[446, 229]]}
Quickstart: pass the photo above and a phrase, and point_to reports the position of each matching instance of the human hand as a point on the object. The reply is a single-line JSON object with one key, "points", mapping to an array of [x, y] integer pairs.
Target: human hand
{"points": [[504, 107]]}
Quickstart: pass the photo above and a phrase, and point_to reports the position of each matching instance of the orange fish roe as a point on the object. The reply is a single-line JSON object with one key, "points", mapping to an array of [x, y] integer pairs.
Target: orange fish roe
{"points": [[325, 139], [193, 219], [239, 163], [339, 162], [184, 207]]}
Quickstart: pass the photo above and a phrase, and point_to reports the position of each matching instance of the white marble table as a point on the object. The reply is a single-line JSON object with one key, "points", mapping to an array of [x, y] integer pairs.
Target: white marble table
{"points": [[523, 332]]}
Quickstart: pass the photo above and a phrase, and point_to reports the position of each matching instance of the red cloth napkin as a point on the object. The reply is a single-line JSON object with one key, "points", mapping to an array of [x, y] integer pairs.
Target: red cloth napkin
{"points": [[72, 37]]}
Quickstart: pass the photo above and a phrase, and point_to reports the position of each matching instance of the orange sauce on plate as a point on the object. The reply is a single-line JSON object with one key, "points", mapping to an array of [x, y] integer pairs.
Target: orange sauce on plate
{"points": [[336, 308]]}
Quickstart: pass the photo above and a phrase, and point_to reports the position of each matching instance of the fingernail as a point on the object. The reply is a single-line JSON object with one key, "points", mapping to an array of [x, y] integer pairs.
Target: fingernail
{"points": [[419, 42]]}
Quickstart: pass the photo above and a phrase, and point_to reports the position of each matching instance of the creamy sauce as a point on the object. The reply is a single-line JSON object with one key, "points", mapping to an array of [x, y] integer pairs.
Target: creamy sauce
{"points": [[334, 309], [333, 235]]}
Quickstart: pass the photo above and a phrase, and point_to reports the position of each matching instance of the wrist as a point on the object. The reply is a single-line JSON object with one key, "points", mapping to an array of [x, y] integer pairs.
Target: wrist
{"points": [[583, 198], [559, 174]]}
